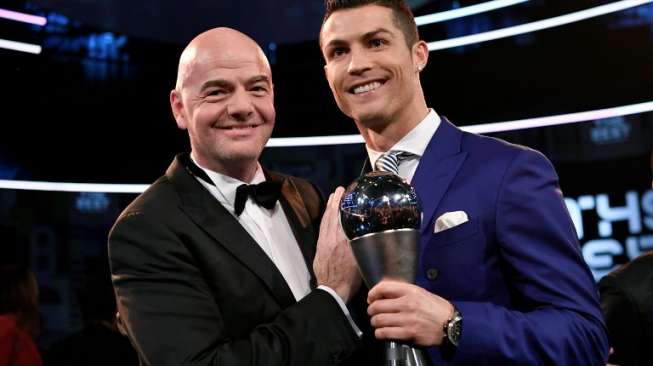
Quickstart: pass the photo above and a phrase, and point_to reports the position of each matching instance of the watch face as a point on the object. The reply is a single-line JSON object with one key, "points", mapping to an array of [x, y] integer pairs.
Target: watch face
{"points": [[454, 329]]}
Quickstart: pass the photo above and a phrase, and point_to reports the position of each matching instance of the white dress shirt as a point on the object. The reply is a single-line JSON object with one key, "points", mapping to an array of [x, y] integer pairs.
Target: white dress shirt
{"points": [[415, 142], [271, 231]]}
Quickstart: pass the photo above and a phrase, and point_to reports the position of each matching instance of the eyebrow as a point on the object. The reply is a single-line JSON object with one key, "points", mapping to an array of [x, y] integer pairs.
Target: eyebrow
{"points": [[368, 35], [215, 83], [222, 83], [258, 79], [373, 33]]}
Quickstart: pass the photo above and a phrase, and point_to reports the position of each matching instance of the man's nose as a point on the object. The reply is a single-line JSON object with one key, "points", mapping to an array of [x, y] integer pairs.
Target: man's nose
{"points": [[240, 106], [359, 62]]}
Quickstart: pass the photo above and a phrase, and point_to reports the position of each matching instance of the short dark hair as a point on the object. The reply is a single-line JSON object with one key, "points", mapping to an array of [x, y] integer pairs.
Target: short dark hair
{"points": [[403, 16]]}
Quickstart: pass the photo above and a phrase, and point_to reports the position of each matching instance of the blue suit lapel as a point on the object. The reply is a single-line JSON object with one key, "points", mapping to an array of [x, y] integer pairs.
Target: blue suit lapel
{"points": [[438, 166]]}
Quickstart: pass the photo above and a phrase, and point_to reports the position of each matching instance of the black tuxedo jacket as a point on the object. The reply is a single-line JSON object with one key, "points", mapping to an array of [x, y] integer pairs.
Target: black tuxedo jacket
{"points": [[193, 288], [627, 302]]}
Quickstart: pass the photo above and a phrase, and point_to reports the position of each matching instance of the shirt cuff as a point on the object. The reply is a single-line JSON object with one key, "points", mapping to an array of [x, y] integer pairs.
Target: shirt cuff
{"points": [[344, 309]]}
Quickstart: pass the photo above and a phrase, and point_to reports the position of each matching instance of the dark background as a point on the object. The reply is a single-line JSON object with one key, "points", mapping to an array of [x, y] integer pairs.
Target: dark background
{"points": [[93, 107], [100, 88]]}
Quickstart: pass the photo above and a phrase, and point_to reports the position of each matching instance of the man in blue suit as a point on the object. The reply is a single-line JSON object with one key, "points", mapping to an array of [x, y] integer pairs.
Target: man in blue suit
{"points": [[501, 279]]}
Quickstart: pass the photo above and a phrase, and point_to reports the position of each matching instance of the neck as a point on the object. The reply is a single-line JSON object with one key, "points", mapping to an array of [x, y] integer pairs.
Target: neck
{"points": [[382, 136], [244, 171]]}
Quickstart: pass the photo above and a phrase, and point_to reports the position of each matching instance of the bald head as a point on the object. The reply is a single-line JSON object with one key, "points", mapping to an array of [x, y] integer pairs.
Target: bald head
{"points": [[224, 98], [218, 45]]}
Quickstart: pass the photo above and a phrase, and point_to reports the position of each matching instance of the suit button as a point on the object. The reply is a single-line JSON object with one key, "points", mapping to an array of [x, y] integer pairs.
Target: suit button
{"points": [[432, 274]]}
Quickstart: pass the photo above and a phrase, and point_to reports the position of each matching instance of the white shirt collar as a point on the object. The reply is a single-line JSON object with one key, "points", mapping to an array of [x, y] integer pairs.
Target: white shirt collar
{"points": [[415, 141], [226, 185]]}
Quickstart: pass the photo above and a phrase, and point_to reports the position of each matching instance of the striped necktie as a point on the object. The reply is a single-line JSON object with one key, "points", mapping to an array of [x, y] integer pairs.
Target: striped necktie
{"points": [[389, 162]]}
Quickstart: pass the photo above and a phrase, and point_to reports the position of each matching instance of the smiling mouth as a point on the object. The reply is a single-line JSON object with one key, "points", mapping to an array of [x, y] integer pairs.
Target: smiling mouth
{"points": [[237, 127], [366, 88]]}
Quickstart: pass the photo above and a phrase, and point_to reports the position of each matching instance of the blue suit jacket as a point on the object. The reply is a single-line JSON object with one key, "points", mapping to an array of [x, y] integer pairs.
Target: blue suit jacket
{"points": [[515, 269]]}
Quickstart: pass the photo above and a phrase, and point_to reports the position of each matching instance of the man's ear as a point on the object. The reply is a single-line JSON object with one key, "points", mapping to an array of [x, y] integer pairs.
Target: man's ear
{"points": [[420, 55], [177, 107]]}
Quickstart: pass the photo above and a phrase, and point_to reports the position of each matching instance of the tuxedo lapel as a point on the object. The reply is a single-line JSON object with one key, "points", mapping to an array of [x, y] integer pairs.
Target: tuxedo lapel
{"points": [[298, 218], [437, 167], [214, 219]]}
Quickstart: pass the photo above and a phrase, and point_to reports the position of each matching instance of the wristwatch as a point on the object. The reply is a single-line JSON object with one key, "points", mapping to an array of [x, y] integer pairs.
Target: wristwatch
{"points": [[453, 327]]}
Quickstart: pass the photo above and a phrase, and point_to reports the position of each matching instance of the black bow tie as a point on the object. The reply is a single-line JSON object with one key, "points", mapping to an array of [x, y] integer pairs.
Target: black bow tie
{"points": [[265, 194]]}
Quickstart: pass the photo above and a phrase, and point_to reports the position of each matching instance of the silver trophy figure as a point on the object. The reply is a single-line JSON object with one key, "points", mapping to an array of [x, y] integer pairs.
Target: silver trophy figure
{"points": [[381, 216]]}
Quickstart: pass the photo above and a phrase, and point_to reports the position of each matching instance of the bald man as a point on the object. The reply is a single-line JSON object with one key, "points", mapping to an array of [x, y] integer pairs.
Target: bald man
{"points": [[212, 265]]}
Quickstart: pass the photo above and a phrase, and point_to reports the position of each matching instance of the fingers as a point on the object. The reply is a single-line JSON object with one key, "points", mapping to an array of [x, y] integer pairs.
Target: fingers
{"points": [[402, 311], [388, 289], [386, 306], [387, 320], [333, 264], [338, 193], [325, 221], [332, 211], [395, 334]]}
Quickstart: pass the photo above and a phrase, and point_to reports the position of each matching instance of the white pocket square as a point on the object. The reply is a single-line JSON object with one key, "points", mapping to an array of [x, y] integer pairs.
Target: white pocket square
{"points": [[450, 219]]}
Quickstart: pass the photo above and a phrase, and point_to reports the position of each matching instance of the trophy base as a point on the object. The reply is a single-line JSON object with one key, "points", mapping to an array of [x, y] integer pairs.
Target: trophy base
{"points": [[401, 354]]}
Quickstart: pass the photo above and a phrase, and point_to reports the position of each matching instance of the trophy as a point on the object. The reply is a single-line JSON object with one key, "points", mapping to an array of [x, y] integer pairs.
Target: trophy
{"points": [[380, 215]]}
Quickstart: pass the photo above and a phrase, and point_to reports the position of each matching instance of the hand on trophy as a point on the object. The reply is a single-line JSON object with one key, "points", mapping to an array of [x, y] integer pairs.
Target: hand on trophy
{"points": [[334, 263], [406, 312]]}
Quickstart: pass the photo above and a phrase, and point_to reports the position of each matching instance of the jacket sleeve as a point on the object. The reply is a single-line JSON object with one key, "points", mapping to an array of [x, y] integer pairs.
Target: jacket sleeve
{"points": [[172, 318], [559, 321]]}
